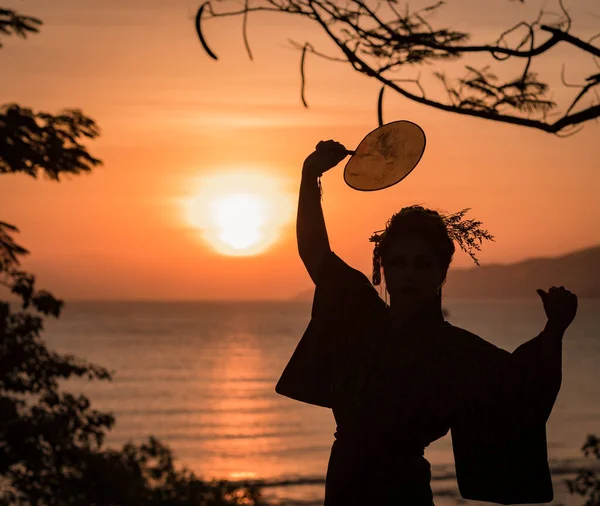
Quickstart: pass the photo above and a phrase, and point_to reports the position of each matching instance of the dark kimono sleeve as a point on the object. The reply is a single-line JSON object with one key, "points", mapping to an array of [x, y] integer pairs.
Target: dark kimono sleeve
{"points": [[343, 296], [499, 428]]}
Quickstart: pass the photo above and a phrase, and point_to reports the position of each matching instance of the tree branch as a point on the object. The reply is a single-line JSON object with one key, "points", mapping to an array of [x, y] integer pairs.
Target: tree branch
{"points": [[374, 47], [563, 36]]}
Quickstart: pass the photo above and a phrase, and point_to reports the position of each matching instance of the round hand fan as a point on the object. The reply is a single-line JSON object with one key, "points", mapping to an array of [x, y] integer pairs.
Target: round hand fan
{"points": [[385, 156]]}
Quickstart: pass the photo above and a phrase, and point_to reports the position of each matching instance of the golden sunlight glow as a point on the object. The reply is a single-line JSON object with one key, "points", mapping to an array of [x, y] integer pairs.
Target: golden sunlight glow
{"points": [[239, 213], [240, 219]]}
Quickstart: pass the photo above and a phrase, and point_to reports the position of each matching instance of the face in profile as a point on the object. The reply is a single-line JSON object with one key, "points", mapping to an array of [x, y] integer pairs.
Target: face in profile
{"points": [[412, 271]]}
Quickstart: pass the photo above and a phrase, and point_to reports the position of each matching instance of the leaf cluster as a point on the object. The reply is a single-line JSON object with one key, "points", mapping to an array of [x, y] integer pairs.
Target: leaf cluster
{"points": [[587, 483]]}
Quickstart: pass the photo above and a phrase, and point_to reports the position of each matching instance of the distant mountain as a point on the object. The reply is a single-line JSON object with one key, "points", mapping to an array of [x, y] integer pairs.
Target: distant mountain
{"points": [[578, 271]]}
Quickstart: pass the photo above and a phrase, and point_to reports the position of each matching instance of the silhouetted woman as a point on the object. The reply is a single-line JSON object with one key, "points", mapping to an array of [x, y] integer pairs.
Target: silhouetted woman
{"points": [[399, 377]]}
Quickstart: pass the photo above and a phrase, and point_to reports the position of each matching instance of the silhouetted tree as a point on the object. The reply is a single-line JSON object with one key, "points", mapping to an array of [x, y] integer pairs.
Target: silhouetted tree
{"points": [[587, 483], [378, 38], [51, 441]]}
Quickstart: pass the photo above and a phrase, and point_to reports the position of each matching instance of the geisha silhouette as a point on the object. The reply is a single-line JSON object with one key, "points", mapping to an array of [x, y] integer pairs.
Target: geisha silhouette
{"points": [[397, 376]]}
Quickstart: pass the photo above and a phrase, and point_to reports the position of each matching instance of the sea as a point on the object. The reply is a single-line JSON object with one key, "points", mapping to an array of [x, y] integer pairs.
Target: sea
{"points": [[200, 376]]}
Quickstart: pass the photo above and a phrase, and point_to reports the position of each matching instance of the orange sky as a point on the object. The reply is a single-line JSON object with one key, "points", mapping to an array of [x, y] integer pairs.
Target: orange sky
{"points": [[170, 116]]}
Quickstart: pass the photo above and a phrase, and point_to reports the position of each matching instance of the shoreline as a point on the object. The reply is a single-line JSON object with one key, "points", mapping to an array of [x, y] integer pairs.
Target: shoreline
{"points": [[562, 469]]}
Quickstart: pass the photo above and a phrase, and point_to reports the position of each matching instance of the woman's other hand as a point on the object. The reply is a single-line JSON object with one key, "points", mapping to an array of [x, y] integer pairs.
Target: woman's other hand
{"points": [[327, 155], [560, 306]]}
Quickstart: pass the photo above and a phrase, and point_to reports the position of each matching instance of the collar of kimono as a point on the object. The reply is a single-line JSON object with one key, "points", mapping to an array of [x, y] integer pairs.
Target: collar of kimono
{"points": [[430, 314]]}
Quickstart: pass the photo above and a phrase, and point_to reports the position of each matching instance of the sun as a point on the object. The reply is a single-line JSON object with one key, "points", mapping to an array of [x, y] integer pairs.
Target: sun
{"points": [[239, 213], [240, 219]]}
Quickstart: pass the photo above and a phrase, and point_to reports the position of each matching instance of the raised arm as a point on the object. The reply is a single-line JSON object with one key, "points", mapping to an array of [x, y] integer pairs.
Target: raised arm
{"points": [[522, 386], [560, 306], [311, 232]]}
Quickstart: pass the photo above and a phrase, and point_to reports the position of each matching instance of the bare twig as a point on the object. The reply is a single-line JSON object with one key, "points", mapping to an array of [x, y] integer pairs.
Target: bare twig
{"points": [[569, 20], [245, 28], [380, 106], [315, 52], [302, 60], [564, 135], [200, 33]]}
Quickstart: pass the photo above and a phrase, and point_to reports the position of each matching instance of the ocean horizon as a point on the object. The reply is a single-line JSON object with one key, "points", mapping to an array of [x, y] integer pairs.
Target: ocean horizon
{"points": [[200, 376]]}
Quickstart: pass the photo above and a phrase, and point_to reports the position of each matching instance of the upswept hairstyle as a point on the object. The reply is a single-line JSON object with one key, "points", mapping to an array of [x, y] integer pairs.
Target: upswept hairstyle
{"points": [[437, 229]]}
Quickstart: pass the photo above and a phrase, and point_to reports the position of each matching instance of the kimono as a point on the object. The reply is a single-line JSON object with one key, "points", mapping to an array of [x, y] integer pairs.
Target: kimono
{"points": [[408, 388]]}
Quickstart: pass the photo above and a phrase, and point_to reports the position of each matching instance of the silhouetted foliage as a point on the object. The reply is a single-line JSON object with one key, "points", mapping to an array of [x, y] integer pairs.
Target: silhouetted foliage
{"points": [[13, 23], [32, 142], [378, 38], [52, 443], [587, 483]]}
